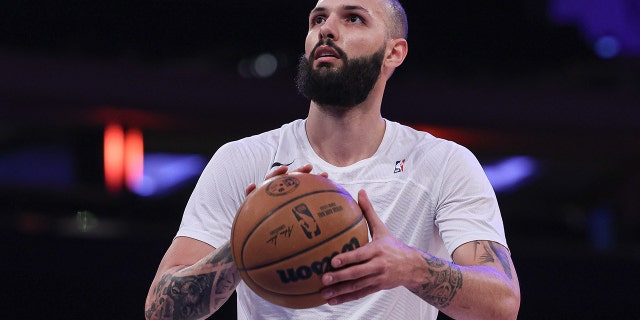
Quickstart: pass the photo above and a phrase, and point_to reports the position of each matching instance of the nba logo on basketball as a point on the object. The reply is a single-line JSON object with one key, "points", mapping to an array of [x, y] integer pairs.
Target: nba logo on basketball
{"points": [[306, 220], [399, 166]]}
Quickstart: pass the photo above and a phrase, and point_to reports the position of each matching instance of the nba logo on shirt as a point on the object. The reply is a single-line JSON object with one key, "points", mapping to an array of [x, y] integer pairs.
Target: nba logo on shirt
{"points": [[399, 166]]}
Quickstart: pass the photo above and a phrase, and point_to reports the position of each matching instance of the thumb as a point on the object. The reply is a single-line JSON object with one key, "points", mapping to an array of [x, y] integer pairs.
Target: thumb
{"points": [[376, 226]]}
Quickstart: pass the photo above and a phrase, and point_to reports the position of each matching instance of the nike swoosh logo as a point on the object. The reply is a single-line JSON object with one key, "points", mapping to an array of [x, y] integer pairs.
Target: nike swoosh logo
{"points": [[278, 164]]}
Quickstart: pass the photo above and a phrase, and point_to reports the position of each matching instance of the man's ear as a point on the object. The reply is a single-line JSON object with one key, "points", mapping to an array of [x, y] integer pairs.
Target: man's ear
{"points": [[397, 53]]}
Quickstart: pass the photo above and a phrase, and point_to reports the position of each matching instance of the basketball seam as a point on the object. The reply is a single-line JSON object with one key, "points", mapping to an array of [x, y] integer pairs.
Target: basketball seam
{"points": [[305, 294], [351, 226], [267, 216]]}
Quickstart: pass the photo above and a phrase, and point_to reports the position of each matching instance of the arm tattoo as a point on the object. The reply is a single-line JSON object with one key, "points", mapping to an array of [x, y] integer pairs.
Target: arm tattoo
{"points": [[186, 297], [187, 293], [488, 251], [503, 257], [485, 255], [441, 284]]}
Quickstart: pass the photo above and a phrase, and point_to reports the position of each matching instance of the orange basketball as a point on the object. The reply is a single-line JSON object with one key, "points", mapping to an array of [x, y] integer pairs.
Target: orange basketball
{"points": [[286, 232]]}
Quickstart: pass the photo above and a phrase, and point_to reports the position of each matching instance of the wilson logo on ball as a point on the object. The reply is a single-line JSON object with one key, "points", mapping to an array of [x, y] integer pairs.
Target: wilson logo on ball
{"points": [[305, 272]]}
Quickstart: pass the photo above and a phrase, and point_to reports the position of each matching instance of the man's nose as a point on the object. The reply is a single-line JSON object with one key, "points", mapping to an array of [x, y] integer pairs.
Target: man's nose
{"points": [[328, 30]]}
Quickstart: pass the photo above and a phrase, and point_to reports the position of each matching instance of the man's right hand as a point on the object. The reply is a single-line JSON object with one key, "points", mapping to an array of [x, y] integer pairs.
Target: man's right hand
{"points": [[307, 168]]}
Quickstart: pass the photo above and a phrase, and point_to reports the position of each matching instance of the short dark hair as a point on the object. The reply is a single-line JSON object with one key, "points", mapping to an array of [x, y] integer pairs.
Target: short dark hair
{"points": [[398, 17]]}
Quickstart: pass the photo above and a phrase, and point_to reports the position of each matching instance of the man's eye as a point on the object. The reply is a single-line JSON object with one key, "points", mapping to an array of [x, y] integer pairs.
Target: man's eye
{"points": [[318, 20], [354, 19]]}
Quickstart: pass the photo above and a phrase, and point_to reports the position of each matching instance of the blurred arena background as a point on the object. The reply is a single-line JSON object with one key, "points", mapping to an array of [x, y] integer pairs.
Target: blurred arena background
{"points": [[109, 111]]}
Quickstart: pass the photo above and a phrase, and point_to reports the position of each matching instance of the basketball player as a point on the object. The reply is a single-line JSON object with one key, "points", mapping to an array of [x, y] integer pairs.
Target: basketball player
{"points": [[437, 235]]}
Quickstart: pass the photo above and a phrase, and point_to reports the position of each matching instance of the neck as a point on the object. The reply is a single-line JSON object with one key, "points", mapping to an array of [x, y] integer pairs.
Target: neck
{"points": [[346, 138]]}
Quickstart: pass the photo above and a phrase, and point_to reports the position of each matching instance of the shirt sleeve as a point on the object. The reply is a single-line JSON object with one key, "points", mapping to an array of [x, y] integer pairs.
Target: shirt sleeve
{"points": [[219, 192], [467, 208]]}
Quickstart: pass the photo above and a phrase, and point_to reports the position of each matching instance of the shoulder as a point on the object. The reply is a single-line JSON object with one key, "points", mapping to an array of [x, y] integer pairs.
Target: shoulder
{"points": [[426, 145], [267, 141], [251, 156]]}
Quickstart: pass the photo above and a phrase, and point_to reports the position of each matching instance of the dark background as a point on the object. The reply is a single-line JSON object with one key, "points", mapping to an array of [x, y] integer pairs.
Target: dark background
{"points": [[500, 77]]}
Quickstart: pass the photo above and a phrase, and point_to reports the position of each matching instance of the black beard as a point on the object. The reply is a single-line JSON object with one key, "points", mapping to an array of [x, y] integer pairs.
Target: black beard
{"points": [[343, 88]]}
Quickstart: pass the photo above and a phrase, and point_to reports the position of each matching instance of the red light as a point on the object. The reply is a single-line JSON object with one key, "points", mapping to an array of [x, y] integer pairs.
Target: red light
{"points": [[133, 158], [113, 157], [123, 158]]}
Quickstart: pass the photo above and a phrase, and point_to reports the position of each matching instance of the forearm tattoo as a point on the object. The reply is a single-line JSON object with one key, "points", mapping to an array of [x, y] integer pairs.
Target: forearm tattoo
{"points": [[442, 283], [188, 294]]}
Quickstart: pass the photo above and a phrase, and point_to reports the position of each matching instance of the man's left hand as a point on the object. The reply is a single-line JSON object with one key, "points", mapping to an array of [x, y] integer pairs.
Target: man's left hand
{"points": [[381, 264]]}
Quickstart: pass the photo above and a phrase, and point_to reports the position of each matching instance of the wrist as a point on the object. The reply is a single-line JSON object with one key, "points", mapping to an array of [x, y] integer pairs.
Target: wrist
{"points": [[419, 274]]}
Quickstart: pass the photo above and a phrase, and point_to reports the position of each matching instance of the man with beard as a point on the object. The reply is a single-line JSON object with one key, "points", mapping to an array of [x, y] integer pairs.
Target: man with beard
{"points": [[437, 238]]}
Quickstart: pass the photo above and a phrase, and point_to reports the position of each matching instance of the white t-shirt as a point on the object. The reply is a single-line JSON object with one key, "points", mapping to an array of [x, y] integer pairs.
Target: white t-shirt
{"points": [[431, 193]]}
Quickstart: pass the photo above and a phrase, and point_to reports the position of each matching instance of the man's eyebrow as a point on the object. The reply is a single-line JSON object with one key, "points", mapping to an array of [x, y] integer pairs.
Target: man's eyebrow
{"points": [[354, 8], [317, 9], [345, 7]]}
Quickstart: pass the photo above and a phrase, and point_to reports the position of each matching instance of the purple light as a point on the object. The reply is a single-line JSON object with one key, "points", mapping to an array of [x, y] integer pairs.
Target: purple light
{"points": [[164, 172], [602, 19], [607, 47], [510, 173], [38, 167]]}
